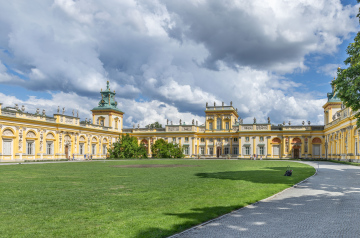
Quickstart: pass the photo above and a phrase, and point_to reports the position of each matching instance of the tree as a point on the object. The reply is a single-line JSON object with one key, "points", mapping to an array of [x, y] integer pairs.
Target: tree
{"points": [[154, 125], [347, 83], [163, 149], [127, 147]]}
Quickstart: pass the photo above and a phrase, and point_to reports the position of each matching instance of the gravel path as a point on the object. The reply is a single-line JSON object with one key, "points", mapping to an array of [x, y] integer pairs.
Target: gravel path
{"points": [[326, 205]]}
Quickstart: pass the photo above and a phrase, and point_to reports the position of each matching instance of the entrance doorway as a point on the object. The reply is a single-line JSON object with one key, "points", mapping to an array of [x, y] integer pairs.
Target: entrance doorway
{"points": [[296, 153], [67, 151], [218, 152]]}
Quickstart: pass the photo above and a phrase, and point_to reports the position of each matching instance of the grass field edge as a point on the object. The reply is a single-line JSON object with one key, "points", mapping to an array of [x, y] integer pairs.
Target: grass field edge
{"points": [[262, 200]]}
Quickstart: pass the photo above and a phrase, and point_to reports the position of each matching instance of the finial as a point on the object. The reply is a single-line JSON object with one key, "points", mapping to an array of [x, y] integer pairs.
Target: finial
{"points": [[101, 90], [114, 91], [339, 68]]}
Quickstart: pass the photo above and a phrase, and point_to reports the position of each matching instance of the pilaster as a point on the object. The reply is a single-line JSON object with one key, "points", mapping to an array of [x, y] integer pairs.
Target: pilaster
{"points": [[206, 146]]}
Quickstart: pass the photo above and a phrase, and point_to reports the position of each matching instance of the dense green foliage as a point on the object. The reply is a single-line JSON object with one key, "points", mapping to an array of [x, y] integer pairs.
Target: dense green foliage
{"points": [[101, 199], [163, 149], [127, 147], [154, 125], [347, 83]]}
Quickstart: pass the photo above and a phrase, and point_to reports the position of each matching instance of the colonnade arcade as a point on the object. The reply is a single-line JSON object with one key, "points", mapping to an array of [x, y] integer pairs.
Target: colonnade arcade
{"points": [[31, 143], [244, 146]]}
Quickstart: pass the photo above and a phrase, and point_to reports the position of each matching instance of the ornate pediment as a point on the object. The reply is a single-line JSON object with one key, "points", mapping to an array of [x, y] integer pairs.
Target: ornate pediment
{"points": [[31, 134], [7, 133]]}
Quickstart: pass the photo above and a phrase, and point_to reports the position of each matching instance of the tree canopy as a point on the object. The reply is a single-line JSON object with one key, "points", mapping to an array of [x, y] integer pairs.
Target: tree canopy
{"points": [[154, 125], [347, 83], [163, 149], [127, 147]]}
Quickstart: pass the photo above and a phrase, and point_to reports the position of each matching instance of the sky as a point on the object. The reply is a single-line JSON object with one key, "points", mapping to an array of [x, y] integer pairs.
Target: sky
{"points": [[165, 59]]}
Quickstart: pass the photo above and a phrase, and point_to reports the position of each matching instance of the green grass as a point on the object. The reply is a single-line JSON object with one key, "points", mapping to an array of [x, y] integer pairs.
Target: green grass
{"points": [[95, 199]]}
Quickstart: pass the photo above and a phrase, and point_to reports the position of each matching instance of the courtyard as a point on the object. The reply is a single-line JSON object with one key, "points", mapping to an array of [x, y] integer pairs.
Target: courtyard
{"points": [[132, 198]]}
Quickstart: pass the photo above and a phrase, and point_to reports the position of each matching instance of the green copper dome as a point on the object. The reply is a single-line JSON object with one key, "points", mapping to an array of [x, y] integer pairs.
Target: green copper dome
{"points": [[107, 100], [332, 97]]}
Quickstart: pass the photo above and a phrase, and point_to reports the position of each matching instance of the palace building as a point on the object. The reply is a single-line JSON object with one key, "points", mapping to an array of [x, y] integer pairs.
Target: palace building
{"points": [[36, 136]]}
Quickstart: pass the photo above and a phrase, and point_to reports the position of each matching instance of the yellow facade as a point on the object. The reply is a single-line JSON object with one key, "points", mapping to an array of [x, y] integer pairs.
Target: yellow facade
{"points": [[26, 136]]}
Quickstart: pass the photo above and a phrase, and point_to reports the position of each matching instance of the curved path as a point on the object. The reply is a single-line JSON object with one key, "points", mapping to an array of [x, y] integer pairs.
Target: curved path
{"points": [[326, 205]]}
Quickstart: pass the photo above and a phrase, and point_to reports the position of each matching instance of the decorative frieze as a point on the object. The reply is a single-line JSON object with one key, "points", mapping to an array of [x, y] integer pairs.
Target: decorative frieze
{"points": [[247, 128], [41, 140], [173, 128], [20, 139], [187, 128], [261, 128], [69, 120]]}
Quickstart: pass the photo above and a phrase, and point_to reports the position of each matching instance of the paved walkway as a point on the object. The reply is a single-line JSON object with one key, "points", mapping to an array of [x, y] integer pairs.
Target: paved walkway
{"points": [[326, 205]]}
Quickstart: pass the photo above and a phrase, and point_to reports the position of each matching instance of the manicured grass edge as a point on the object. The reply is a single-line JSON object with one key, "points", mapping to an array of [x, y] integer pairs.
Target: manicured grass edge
{"points": [[232, 212]]}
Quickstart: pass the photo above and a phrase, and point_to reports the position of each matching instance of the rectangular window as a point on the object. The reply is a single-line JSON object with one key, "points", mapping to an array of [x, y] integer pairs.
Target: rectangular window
{"points": [[202, 150], [81, 149], [247, 150], [356, 148], [7, 147], [104, 150], [211, 151], [174, 139], [49, 148], [226, 139], [210, 126], [261, 138], [202, 139], [93, 149], [218, 125], [316, 149], [186, 150], [218, 139], [186, 139], [227, 125], [247, 139], [235, 139], [236, 150], [211, 140], [276, 150], [30, 147], [226, 150], [261, 150]]}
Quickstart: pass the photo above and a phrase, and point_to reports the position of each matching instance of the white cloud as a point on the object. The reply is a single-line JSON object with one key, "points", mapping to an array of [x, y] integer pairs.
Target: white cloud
{"points": [[328, 69], [142, 113], [157, 50]]}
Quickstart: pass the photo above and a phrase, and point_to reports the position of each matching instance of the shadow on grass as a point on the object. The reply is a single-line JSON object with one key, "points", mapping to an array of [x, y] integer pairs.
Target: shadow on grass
{"points": [[269, 175], [195, 217]]}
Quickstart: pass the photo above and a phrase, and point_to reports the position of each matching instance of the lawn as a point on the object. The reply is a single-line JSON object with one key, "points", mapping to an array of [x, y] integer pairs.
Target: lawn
{"points": [[155, 199]]}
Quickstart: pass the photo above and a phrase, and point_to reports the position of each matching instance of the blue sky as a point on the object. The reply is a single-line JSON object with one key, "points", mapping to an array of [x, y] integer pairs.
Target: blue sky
{"points": [[166, 59]]}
